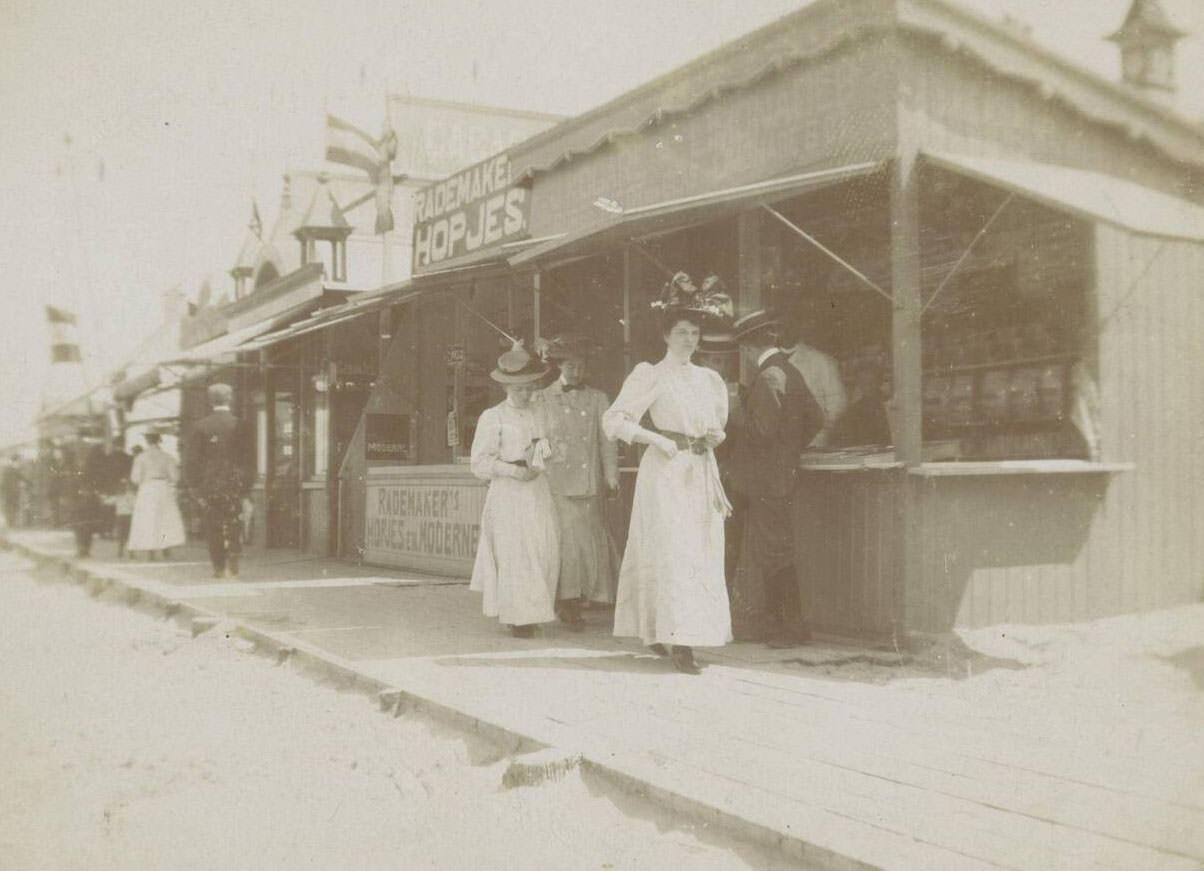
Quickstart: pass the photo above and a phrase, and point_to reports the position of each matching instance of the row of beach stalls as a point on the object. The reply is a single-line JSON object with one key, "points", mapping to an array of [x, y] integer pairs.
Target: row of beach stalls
{"points": [[1018, 243]]}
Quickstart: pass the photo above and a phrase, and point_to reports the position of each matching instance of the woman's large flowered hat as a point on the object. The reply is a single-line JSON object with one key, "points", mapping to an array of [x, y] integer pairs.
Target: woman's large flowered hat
{"points": [[709, 300], [518, 366]]}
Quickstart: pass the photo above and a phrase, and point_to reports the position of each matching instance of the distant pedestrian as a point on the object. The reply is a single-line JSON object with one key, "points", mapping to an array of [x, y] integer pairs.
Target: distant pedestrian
{"points": [[87, 509], [115, 473], [219, 469], [156, 524], [582, 470], [11, 484], [59, 472], [123, 509], [780, 417], [518, 556]]}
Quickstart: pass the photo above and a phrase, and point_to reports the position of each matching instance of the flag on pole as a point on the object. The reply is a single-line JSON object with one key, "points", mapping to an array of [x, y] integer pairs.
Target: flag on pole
{"points": [[351, 146], [256, 224], [64, 342]]}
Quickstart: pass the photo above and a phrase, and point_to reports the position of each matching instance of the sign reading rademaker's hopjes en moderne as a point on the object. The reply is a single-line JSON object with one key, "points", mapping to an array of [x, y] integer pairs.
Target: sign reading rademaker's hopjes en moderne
{"points": [[476, 209]]}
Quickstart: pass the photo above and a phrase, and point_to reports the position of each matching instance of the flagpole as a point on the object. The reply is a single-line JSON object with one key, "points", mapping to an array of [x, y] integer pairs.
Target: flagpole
{"points": [[386, 259]]}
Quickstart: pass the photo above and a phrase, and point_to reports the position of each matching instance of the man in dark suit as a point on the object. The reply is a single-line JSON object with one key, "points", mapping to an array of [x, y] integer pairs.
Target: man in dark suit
{"points": [[219, 471], [779, 418]]}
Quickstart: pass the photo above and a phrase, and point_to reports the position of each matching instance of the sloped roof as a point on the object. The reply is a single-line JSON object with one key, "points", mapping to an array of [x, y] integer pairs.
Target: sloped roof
{"points": [[1150, 17], [248, 253], [788, 44], [323, 211]]}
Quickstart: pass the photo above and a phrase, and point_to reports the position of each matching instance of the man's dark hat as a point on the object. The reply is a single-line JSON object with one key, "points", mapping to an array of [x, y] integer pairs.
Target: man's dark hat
{"points": [[753, 322]]}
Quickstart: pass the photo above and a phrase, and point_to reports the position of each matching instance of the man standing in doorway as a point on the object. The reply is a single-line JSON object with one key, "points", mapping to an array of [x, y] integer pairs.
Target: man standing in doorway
{"points": [[583, 462], [217, 457], [780, 418], [819, 370]]}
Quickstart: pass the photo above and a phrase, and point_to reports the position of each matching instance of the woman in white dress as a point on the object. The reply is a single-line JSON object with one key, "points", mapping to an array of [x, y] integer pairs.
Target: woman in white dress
{"points": [[672, 591], [518, 557], [156, 524]]}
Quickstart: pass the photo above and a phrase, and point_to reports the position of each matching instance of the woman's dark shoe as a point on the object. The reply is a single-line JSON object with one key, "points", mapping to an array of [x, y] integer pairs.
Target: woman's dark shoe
{"points": [[570, 615], [683, 659], [527, 631], [659, 649]]}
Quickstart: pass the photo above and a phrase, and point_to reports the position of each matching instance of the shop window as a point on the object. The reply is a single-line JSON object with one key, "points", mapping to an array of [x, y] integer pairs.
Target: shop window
{"points": [[1004, 345], [586, 298], [434, 335], [351, 370], [315, 386], [485, 309], [830, 309]]}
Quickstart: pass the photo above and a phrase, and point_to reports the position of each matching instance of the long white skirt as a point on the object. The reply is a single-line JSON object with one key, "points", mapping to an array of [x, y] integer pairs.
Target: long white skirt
{"points": [[672, 588], [587, 554], [517, 563], [156, 523]]}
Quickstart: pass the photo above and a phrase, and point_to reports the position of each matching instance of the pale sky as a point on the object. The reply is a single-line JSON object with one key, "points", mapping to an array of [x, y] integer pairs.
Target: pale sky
{"points": [[195, 108]]}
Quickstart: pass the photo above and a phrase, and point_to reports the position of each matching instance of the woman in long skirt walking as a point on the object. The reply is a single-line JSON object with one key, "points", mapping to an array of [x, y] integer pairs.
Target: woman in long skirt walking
{"points": [[156, 524], [517, 563]]}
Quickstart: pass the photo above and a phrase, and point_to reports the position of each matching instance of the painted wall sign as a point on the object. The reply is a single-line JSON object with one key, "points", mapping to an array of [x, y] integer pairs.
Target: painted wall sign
{"points": [[388, 438], [424, 522], [441, 137], [476, 209]]}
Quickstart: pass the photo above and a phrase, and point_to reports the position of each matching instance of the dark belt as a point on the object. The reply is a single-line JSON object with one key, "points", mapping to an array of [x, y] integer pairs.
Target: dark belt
{"points": [[520, 463], [694, 444]]}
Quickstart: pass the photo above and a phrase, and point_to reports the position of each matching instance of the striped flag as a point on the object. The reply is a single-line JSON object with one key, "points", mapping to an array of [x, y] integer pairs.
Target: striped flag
{"points": [[64, 342], [351, 146]]}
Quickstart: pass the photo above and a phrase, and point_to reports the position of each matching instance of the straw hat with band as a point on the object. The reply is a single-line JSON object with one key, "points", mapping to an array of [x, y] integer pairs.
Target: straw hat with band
{"points": [[518, 366], [755, 322]]}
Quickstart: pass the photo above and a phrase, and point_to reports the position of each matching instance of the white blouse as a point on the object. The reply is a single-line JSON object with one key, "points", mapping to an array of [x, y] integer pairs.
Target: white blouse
{"points": [[504, 434], [681, 397], [154, 464]]}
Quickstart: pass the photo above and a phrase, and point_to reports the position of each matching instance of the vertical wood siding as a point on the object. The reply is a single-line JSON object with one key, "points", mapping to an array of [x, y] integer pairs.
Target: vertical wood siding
{"points": [[847, 545], [1052, 548], [1152, 393], [1060, 548]]}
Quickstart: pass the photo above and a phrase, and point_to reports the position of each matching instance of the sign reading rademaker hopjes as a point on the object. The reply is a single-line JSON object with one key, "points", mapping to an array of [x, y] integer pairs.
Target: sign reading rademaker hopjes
{"points": [[474, 210]]}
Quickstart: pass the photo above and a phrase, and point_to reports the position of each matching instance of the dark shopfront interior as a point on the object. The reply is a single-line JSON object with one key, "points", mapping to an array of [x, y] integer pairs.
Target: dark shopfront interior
{"points": [[1008, 366]]}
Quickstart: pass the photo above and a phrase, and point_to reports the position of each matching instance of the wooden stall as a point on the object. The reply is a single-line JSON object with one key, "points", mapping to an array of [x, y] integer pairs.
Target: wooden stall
{"points": [[1013, 243]]}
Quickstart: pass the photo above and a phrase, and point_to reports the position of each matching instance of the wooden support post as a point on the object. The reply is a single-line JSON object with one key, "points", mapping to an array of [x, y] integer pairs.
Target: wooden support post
{"points": [[748, 264], [384, 331], [748, 259], [535, 305], [908, 305], [628, 279], [907, 401]]}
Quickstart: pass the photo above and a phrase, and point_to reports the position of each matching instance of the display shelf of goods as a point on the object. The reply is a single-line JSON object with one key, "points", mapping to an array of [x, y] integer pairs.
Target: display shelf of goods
{"points": [[1013, 394]]}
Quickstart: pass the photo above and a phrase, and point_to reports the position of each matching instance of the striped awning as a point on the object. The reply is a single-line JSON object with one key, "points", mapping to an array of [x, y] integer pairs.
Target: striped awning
{"points": [[1094, 196], [648, 220]]}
